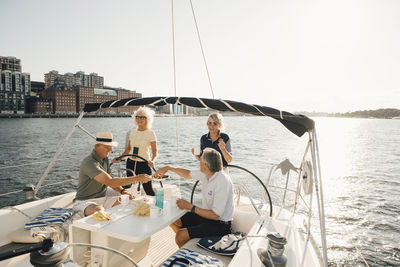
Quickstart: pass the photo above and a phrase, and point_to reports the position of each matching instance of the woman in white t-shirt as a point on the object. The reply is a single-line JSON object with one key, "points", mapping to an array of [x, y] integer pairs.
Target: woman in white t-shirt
{"points": [[139, 141]]}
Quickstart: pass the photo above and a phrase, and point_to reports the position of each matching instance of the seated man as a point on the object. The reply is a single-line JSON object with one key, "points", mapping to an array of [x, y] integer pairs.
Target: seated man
{"points": [[97, 188], [215, 216]]}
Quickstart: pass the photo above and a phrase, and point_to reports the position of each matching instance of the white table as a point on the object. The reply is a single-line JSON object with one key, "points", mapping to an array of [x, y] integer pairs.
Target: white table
{"points": [[126, 232]]}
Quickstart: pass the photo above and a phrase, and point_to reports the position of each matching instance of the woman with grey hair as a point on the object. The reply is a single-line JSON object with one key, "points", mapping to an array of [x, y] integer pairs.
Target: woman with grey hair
{"points": [[139, 141], [216, 139]]}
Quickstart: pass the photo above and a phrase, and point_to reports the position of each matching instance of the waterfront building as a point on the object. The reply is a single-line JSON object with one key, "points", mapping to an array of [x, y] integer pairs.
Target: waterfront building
{"points": [[39, 105], [15, 86], [36, 88], [72, 100], [10, 63], [98, 95], [62, 97], [77, 79]]}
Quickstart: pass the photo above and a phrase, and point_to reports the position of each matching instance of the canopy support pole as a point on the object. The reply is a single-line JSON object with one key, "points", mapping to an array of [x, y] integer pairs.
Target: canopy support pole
{"points": [[319, 192]]}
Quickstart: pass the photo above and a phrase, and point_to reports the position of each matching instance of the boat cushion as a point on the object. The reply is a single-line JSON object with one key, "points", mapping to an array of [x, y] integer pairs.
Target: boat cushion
{"points": [[51, 216], [36, 234], [187, 257], [223, 245]]}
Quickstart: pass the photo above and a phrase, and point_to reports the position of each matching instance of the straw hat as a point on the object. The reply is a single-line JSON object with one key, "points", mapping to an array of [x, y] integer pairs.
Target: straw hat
{"points": [[104, 138]]}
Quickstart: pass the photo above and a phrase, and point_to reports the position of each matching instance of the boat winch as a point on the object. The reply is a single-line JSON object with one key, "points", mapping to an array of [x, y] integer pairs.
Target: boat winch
{"points": [[273, 255], [52, 254], [29, 191]]}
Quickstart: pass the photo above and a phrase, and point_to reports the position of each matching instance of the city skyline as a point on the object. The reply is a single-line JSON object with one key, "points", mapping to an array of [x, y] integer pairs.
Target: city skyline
{"points": [[308, 56]]}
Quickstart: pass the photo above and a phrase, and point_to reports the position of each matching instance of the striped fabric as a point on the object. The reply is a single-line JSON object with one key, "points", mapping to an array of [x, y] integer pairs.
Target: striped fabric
{"points": [[52, 216], [195, 258]]}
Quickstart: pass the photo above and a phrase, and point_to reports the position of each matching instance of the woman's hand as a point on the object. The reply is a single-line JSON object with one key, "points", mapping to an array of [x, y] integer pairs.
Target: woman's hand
{"points": [[221, 144], [196, 156], [151, 164]]}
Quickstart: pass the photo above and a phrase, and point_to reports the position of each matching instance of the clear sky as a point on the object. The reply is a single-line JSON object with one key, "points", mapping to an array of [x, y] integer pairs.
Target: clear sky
{"points": [[295, 55]]}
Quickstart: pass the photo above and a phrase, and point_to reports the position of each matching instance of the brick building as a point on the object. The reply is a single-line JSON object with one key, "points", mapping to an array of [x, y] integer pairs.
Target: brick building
{"points": [[39, 105], [109, 94], [64, 100]]}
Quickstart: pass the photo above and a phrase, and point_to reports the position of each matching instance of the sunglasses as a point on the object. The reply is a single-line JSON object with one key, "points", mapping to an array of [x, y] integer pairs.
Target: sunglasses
{"points": [[212, 123], [141, 117]]}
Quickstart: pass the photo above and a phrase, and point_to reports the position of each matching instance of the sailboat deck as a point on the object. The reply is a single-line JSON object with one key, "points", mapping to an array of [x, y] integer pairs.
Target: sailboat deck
{"points": [[162, 246]]}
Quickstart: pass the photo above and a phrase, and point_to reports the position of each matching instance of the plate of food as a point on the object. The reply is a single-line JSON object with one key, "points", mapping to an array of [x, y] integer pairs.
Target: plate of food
{"points": [[160, 177]]}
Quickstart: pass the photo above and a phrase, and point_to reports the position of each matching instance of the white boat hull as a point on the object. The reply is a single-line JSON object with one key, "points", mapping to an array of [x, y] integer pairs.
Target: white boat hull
{"points": [[299, 250]]}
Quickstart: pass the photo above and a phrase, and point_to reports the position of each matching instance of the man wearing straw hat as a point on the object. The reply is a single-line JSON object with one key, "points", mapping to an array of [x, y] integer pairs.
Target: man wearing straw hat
{"points": [[97, 188]]}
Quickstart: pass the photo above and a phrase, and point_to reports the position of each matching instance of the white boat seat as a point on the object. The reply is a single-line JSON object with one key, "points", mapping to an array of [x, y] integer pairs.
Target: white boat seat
{"points": [[243, 221]]}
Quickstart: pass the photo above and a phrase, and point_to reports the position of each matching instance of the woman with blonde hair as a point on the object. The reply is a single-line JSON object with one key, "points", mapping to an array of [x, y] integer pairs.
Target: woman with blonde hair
{"points": [[139, 141], [216, 139]]}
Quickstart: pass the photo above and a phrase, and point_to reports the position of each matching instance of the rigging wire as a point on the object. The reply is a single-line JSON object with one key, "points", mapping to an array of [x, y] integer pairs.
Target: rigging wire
{"points": [[202, 50], [175, 106], [19, 191], [32, 163]]}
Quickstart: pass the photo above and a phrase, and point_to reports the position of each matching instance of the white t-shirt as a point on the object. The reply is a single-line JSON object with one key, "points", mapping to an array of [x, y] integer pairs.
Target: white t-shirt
{"points": [[217, 193], [140, 140]]}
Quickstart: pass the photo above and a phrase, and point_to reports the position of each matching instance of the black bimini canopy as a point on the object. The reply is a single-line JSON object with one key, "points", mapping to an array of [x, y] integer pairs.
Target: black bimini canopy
{"points": [[297, 124]]}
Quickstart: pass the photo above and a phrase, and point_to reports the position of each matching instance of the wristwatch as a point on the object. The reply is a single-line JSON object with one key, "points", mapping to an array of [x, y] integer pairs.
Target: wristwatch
{"points": [[192, 210]]}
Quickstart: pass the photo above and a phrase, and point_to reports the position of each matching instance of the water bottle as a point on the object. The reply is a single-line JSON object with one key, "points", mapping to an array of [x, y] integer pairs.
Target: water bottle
{"points": [[160, 198]]}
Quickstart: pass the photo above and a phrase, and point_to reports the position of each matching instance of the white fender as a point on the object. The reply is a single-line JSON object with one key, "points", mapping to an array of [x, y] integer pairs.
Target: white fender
{"points": [[307, 177]]}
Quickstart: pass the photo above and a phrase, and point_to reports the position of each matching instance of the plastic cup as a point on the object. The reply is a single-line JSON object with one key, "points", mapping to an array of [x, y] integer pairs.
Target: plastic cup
{"points": [[154, 212], [196, 151], [124, 199], [173, 202]]}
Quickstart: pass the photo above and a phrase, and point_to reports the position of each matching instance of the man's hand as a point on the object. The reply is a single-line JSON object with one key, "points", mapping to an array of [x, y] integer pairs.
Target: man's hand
{"points": [[115, 160], [126, 192], [160, 172], [183, 204], [144, 178]]}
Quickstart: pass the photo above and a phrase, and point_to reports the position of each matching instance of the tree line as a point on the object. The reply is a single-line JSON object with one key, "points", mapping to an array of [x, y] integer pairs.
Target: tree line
{"points": [[383, 113]]}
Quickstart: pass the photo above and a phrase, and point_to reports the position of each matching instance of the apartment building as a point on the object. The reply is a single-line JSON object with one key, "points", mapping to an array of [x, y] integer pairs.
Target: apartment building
{"points": [[36, 88], [15, 86], [74, 79], [10, 63]]}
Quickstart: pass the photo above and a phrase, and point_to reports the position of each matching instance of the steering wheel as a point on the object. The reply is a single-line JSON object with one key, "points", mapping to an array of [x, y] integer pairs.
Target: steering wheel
{"points": [[145, 160], [252, 174]]}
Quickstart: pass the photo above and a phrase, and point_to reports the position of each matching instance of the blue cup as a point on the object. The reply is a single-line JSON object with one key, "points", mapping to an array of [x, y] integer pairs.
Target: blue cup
{"points": [[160, 198]]}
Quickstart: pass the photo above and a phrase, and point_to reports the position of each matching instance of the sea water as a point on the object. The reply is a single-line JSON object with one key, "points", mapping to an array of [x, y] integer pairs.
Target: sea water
{"points": [[359, 163]]}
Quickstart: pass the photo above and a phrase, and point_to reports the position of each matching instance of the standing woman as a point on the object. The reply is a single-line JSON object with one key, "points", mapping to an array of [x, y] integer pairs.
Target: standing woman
{"points": [[139, 141], [216, 139]]}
